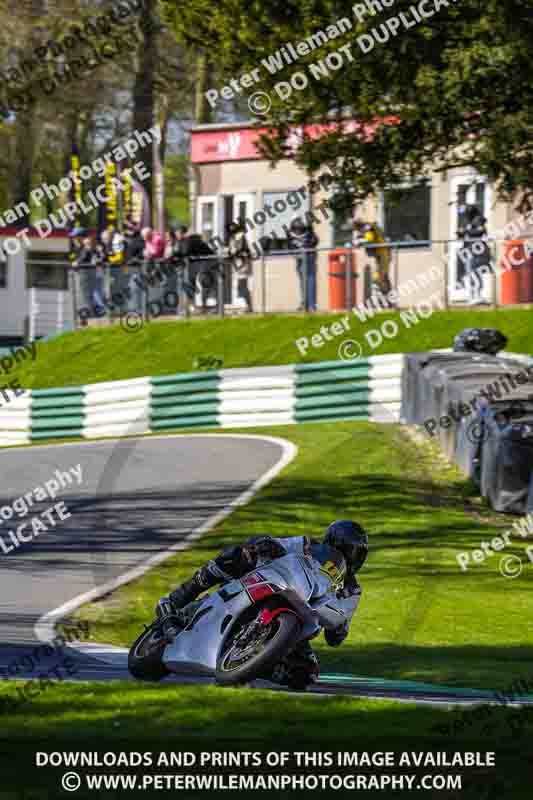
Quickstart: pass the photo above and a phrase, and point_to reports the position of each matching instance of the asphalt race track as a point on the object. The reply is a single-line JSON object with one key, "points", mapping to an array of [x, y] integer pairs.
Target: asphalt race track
{"points": [[138, 498]]}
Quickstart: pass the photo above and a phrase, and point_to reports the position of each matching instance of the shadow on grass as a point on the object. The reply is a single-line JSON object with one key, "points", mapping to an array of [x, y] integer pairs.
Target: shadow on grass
{"points": [[466, 666], [125, 718]]}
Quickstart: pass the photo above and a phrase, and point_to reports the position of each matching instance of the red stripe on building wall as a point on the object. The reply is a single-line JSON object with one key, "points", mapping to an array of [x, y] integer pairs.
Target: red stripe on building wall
{"points": [[240, 144]]}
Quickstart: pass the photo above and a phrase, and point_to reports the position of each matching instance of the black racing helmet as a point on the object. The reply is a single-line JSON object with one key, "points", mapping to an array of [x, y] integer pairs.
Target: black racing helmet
{"points": [[352, 541]]}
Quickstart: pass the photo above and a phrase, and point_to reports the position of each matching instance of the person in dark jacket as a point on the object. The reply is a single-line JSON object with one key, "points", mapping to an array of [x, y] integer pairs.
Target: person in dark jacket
{"points": [[475, 253], [176, 251], [84, 264], [303, 238], [134, 243], [240, 259], [203, 270]]}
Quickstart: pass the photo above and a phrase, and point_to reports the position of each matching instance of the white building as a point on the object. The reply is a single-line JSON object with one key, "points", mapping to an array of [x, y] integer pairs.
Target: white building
{"points": [[232, 180], [35, 300]]}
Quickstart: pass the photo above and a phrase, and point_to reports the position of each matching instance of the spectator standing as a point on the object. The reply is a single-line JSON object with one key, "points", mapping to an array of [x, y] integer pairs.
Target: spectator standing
{"points": [[202, 269], [240, 259], [185, 272], [370, 233], [134, 245], [154, 244], [76, 237], [304, 239], [475, 230], [84, 264], [102, 254], [182, 246], [174, 268], [147, 234], [115, 246], [157, 245], [170, 242], [130, 227]]}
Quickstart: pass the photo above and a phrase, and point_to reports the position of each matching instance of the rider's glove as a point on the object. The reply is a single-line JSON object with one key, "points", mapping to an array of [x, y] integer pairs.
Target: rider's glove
{"points": [[336, 636], [265, 547], [181, 596], [350, 588]]}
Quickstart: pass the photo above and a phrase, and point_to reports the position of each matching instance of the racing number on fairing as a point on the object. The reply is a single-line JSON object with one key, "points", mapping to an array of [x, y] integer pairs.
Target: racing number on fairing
{"points": [[331, 569]]}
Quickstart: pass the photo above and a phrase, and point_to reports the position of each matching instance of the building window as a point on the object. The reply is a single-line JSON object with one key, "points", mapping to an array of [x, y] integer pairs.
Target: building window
{"points": [[407, 214], [207, 219], [47, 271], [342, 223], [283, 207], [342, 230]]}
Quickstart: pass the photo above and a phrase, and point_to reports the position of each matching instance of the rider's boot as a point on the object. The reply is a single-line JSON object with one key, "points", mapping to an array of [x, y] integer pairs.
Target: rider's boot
{"points": [[169, 617], [300, 667], [202, 580], [304, 656]]}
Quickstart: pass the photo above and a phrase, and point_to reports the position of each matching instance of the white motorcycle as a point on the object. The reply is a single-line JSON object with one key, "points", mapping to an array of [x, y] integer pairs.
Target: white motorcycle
{"points": [[250, 627]]}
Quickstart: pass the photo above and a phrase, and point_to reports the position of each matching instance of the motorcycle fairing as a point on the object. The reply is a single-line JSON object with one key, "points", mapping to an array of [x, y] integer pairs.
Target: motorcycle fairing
{"points": [[197, 647]]}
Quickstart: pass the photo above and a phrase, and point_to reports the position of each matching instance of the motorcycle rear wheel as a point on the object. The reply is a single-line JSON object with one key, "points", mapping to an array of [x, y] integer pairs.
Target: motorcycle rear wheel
{"points": [[146, 653], [282, 633]]}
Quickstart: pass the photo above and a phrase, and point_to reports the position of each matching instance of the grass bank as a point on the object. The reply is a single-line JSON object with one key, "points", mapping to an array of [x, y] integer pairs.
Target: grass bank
{"points": [[421, 617], [110, 353]]}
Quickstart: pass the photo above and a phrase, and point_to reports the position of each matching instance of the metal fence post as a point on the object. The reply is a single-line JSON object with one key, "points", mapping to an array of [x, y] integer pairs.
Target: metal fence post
{"points": [[396, 260], [32, 302], [304, 281], [367, 281], [144, 292], [348, 268], [107, 290], [185, 286], [263, 282], [220, 286], [73, 279]]}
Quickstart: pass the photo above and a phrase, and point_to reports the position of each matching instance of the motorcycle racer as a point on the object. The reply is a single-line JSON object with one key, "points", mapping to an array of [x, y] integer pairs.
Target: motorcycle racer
{"points": [[344, 536]]}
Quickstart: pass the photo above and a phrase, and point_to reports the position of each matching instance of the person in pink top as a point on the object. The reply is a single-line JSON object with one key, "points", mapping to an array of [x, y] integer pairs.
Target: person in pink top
{"points": [[154, 244]]}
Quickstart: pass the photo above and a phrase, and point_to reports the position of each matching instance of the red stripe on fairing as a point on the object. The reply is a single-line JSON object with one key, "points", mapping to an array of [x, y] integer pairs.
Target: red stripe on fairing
{"points": [[252, 579], [260, 591], [266, 616]]}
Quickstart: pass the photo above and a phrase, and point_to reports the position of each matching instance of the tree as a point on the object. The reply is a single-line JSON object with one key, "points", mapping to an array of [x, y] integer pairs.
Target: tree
{"points": [[459, 82], [96, 109]]}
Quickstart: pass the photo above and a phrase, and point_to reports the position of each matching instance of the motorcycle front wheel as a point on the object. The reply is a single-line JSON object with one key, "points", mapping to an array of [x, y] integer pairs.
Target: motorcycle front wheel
{"points": [[146, 653], [244, 659]]}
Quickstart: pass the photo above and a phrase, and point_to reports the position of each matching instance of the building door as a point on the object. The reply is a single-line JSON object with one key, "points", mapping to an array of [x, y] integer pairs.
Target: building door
{"points": [[466, 190], [243, 209]]}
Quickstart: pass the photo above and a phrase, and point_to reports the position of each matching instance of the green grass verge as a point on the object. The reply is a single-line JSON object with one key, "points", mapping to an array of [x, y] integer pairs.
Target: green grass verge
{"points": [[109, 353], [420, 617], [125, 717]]}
